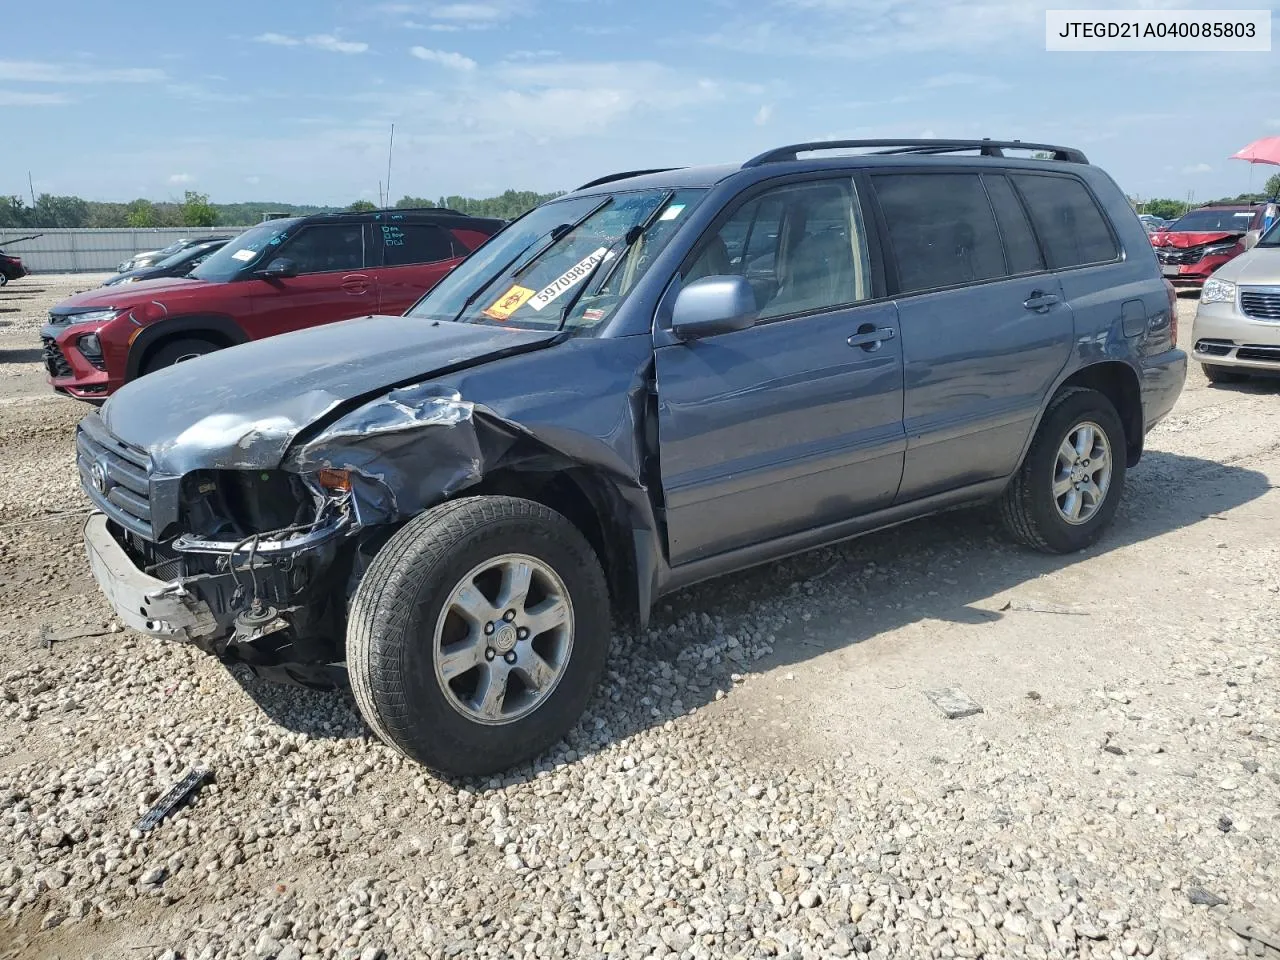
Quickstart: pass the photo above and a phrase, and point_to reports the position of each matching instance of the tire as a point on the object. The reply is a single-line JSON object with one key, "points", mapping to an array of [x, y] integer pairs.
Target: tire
{"points": [[404, 611], [1029, 508], [176, 351], [1220, 374], [4, 279]]}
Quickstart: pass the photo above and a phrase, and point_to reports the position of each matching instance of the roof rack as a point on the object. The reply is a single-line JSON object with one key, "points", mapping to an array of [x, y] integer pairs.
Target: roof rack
{"points": [[443, 211], [625, 175], [986, 146]]}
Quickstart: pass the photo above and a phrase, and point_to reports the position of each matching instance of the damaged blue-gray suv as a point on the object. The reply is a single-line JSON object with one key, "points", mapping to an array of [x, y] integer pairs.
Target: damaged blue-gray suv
{"points": [[663, 376]]}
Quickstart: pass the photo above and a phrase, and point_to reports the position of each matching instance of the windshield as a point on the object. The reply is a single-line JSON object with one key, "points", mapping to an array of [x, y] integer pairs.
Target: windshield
{"points": [[244, 252], [171, 248], [187, 254], [569, 263], [1214, 221], [1272, 237]]}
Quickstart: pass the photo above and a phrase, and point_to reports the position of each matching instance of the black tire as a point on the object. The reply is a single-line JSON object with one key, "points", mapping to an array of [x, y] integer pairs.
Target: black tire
{"points": [[176, 351], [1029, 509], [391, 632], [1220, 374], [4, 279]]}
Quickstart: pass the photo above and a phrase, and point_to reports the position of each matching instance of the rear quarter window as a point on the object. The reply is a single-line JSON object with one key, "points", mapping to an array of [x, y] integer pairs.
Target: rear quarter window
{"points": [[409, 243], [1072, 229], [941, 229]]}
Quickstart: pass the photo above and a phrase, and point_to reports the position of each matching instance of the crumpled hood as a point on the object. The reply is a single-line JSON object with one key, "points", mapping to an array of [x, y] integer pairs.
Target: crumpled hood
{"points": [[240, 408], [1191, 238]]}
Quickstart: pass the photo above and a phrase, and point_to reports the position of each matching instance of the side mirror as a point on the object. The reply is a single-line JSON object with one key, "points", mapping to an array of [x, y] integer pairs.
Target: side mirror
{"points": [[713, 305], [280, 267]]}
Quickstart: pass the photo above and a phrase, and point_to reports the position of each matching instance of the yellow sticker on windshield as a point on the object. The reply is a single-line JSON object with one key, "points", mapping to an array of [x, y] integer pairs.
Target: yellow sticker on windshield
{"points": [[509, 303]]}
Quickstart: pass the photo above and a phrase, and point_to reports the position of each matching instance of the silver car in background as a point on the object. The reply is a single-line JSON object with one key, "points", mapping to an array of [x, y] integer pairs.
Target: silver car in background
{"points": [[1237, 325]]}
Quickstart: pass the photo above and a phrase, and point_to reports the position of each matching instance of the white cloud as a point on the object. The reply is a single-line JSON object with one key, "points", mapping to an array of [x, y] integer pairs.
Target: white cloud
{"points": [[764, 115], [327, 41], [1198, 168], [863, 29], [321, 41], [177, 178], [469, 12], [944, 80], [32, 71], [17, 98], [277, 39], [252, 180], [454, 61]]}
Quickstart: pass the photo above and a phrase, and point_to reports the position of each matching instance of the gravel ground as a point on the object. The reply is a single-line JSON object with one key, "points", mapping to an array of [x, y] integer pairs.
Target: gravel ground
{"points": [[761, 775]]}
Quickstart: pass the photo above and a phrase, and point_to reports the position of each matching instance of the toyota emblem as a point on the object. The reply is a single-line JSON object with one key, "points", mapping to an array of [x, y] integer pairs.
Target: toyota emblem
{"points": [[98, 473]]}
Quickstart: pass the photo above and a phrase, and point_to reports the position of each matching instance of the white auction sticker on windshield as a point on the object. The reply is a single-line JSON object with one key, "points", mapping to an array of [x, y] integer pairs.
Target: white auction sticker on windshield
{"points": [[672, 211], [244, 254], [567, 280]]}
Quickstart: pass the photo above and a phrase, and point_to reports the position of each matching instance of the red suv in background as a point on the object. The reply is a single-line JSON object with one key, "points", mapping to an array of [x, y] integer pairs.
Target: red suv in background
{"points": [[1195, 245], [279, 276]]}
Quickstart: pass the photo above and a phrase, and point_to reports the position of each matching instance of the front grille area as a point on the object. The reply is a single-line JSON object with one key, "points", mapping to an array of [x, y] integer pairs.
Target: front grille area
{"points": [[1179, 255], [115, 476], [54, 361], [1259, 305], [1254, 351]]}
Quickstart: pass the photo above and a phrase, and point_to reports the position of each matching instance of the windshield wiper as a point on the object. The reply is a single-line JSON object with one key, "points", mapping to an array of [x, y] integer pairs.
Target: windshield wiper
{"points": [[627, 240], [556, 234]]}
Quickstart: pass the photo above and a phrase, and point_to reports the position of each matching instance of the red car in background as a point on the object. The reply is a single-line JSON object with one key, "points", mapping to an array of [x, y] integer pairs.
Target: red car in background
{"points": [[1195, 245], [11, 268], [281, 275]]}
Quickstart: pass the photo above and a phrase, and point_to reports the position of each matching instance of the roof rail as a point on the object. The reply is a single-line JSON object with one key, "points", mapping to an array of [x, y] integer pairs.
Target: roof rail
{"points": [[987, 147], [625, 175], [443, 211]]}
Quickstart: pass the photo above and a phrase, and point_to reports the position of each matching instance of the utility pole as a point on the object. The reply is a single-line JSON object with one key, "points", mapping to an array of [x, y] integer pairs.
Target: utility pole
{"points": [[390, 146], [32, 187]]}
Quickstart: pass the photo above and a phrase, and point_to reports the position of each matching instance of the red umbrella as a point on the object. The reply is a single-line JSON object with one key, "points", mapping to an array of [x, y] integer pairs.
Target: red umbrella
{"points": [[1266, 150]]}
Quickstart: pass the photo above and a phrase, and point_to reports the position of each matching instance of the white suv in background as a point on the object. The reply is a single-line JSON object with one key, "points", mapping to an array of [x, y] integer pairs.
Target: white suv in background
{"points": [[1237, 325]]}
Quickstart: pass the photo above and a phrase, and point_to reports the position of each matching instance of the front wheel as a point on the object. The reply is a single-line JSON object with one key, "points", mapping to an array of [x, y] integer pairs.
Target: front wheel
{"points": [[1068, 487], [4, 279], [177, 351], [478, 634]]}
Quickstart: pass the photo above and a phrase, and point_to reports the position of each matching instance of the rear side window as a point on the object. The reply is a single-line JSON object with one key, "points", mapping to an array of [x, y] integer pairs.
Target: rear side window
{"points": [[324, 248], [408, 243], [941, 229], [1021, 253], [1071, 227]]}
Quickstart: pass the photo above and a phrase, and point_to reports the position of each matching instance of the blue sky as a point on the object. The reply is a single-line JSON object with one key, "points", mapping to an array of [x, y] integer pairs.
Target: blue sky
{"points": [[292, 100]]}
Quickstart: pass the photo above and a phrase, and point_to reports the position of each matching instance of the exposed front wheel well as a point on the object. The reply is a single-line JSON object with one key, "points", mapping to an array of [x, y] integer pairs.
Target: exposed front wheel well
{"points": [[1118, 383], [590, 503]]}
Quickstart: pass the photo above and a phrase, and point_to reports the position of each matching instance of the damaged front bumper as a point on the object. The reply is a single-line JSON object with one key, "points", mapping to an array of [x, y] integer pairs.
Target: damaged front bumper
{"points": [[148, 605]]}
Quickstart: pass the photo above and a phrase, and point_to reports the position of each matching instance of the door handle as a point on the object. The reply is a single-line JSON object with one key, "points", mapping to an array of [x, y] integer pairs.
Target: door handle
{"points": [[355, 284], [1041, 302], [869, 337]]}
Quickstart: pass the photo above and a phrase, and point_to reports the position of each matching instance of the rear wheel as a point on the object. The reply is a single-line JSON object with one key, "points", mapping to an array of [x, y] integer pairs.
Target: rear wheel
{"points": [[177, 351], [1220, 374], [1068, 487], [4, 278], [478, 634]]}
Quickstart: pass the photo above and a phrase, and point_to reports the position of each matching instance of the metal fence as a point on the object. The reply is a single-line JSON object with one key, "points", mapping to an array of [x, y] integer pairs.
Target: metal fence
{"points": [[96, 250]]}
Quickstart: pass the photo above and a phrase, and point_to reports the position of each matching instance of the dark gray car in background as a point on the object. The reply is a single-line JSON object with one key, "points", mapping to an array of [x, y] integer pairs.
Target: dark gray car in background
{"points": [[660, 377]]}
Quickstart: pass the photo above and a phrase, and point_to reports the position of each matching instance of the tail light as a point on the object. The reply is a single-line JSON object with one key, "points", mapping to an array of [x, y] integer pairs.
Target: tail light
{"points": [[1173, 311]]}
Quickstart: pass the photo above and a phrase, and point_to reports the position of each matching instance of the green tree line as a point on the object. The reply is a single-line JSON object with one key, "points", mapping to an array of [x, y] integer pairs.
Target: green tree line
{"points": [[1172, 209], [195, 210]]}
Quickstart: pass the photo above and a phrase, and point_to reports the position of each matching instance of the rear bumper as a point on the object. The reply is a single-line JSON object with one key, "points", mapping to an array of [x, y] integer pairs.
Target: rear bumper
{"points": [[1163, 376], [148, 605]]}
